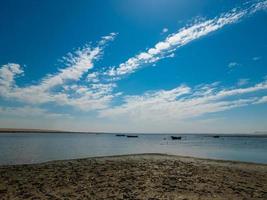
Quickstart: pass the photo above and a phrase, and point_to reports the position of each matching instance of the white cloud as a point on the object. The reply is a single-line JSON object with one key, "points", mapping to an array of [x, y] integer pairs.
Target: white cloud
{"points": [[262, 100], [256, 58], [164, 30], [108, 38], [95, 97], [183, 103], [93, 77], [239, 91], [233, 64], [7, 74], [185, 35], [80, 63], [56, 88]]}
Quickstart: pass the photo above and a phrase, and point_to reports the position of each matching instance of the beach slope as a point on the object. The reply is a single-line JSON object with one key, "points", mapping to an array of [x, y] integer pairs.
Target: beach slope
{"points": [[145, 176]]}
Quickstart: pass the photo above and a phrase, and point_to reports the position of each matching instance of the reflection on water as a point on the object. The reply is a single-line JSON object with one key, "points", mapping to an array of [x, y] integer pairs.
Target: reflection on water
{"points": [[39, 147]]}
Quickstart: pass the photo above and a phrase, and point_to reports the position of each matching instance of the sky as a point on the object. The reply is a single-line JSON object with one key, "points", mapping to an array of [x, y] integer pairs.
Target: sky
{"points": [[162, 66]]}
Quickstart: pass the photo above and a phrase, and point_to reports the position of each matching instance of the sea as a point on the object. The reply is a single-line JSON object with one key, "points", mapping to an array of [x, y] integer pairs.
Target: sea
{"points": [[27, 148]]}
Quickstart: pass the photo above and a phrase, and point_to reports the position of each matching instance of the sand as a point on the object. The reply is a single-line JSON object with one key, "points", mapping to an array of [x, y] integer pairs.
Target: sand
{"points": [[147, 176]]}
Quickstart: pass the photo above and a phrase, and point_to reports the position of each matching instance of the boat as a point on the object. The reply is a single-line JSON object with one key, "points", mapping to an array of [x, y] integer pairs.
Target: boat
{"points": [[120, 135], [176, 137], [132, 136]]}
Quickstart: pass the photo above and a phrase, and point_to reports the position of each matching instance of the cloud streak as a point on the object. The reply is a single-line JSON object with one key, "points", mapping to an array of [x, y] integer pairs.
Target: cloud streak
{"points": [[59, 88], [184, 102], [185, 35]]}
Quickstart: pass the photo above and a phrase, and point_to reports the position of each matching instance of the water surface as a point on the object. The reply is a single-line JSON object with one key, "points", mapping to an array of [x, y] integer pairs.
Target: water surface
{"points": [[21, 148]]}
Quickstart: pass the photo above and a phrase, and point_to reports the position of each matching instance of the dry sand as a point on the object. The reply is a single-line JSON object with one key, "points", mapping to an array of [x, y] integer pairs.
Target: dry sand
{"points": [[148, 176]]}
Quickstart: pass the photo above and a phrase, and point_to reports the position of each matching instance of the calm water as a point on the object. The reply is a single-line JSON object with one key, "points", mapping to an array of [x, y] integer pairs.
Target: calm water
{"points": [[39, 147]]}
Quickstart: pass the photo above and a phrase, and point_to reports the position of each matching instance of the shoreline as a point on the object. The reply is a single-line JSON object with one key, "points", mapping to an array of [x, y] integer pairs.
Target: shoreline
{"points": [[18, 130], [135, 176], [166, 155]]}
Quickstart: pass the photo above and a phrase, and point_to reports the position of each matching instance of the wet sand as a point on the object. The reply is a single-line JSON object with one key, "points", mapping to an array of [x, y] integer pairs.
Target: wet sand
{"points": [[146, 176]]}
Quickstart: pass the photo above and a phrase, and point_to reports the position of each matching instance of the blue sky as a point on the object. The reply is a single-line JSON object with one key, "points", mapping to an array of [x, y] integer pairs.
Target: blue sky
{"points": [[135, 66]]}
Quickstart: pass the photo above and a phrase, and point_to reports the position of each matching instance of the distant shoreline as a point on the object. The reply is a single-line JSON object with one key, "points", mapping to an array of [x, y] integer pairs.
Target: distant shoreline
{"points": [[15, 130], [7, 130]]}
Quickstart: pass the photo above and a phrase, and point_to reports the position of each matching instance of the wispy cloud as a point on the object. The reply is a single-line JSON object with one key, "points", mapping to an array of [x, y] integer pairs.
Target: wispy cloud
{"points": [[233, 64], [262, 100], [185, 35], [52, 88], [8, 73], [164, 30], [183, 103], [78, 63], [256, 58]]}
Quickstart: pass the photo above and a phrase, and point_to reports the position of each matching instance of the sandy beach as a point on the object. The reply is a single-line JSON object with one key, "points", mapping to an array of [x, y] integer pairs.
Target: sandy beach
{"points": [[146, 176]]}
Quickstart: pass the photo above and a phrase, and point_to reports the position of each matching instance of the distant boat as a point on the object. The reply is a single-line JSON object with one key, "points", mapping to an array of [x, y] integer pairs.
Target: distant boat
{"points": [[176, 137], [132, 136], [120, 135], [216, 136]]}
